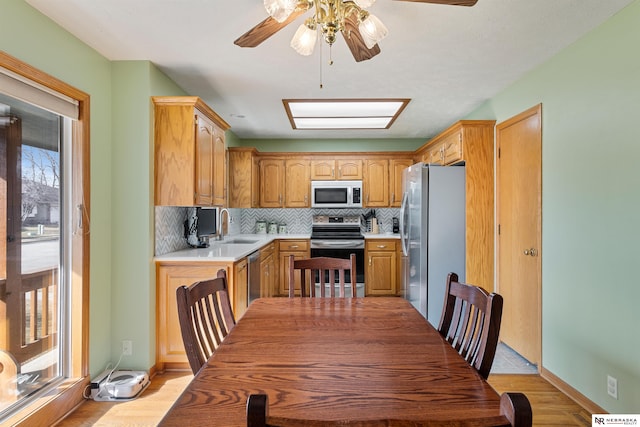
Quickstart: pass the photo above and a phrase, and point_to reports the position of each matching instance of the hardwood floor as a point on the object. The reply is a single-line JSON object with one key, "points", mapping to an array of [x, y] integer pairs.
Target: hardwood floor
{"points": [[550, 406], [147, 410]]}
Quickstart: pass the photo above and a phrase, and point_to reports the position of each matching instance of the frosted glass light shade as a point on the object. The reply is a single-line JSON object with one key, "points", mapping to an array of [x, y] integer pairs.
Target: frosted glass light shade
{"points": [[364, 3], [280, 9], [304, 40], [372, 31]]}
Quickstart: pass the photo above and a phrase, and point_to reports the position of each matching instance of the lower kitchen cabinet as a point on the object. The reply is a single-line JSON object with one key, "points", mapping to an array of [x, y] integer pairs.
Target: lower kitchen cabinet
{"points": [[300, 250], [380, 276], [241, 288], [268, 273], [170, 352]]}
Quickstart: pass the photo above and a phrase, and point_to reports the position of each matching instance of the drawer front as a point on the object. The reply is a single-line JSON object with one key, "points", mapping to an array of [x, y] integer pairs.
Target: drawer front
{"points": [[380, 245], [294, 245]]}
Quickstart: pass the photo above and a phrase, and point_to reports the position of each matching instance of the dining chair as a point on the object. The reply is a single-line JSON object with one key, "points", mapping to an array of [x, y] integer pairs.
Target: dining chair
{"points": [[470, 322], [205, 316], [324, 270], [515, 411]]}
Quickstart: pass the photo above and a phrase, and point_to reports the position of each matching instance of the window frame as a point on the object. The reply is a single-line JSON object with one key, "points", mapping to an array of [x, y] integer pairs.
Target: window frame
{"points": [[69, 393]]}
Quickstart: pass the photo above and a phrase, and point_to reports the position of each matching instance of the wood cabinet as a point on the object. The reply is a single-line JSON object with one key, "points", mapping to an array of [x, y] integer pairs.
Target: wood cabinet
{"points": [[268, 273], [376, 183], [300, 250], [381, 270], [297, 184], [342, 169], [396, 166], [219, 184], [285, 183], [189, 152], [244, 178], [272, 183], [471, 141], [241, 288], [170, 353]]}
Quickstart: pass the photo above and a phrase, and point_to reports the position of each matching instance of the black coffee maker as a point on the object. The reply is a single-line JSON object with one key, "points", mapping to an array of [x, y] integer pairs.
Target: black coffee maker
{"points": [[396, 225]]}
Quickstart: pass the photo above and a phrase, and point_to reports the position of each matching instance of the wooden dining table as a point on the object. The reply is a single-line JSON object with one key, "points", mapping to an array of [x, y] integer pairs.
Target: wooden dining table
{"points": [[335, 359]]}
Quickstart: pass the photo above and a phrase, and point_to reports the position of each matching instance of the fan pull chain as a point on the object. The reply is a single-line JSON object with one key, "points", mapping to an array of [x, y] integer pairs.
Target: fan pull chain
{"points": [[320, 65]]}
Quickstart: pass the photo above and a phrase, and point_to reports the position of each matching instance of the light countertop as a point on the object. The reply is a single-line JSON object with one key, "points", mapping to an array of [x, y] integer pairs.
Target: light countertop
{"points": [[228, 251]]}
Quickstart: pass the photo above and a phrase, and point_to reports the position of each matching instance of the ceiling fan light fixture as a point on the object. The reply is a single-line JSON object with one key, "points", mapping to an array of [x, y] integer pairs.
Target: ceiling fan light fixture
{"points": [[280, 9], [372, 30], [304, 40]]}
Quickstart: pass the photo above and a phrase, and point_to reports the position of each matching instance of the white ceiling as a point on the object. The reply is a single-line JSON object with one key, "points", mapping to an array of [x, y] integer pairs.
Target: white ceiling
{"points": [[447, 59]]}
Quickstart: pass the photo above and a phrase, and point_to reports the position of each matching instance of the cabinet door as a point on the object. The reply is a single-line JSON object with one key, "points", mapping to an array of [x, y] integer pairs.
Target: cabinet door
{"points": [[204, 162], [323, 170], [241, 288], [170, 348], [297, 184], [381, 273], [376, 183], [452, 148], [396, 166], [255, 183], [271, 183], [436, 155], [241, 169], [267, 275], [219, 184], [349, 169]]}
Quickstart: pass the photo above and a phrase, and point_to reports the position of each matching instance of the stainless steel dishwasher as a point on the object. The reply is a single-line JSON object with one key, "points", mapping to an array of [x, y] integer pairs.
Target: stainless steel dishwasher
{"points": [[253, 261]]}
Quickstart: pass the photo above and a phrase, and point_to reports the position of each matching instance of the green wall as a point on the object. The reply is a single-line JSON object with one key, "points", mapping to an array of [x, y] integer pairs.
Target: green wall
{"points": [[590, 95], [133, 270], [333, 145], [34, 39]]}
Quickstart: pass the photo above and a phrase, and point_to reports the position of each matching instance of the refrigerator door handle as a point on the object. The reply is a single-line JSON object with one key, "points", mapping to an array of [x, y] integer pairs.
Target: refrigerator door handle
{"points": [[404, 236]]}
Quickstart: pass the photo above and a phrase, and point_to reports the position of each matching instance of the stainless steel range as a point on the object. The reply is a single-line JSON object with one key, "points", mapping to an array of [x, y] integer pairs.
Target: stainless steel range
{"points": [[339, 237]]}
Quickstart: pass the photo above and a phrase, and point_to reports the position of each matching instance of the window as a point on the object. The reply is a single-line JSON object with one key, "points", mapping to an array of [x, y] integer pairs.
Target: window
{"points": [[43, 243]]}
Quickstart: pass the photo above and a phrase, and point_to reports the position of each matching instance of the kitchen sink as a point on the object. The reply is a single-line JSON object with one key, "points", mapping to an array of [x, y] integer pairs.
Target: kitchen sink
{"points": [[239, 242]]}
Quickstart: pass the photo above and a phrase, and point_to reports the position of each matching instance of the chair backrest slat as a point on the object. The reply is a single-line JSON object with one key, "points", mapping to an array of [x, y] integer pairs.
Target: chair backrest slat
{"points": [[205, 316], [324, 270], [470, 322]]}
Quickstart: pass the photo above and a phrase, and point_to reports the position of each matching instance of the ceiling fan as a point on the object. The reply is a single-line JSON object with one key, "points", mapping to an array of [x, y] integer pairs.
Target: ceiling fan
{"points": [[361, 30]]}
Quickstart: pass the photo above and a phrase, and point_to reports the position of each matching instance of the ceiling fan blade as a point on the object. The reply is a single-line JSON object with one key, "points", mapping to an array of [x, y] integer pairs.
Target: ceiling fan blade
{"points": [[354, 40], [450, 2], [265, 29]]}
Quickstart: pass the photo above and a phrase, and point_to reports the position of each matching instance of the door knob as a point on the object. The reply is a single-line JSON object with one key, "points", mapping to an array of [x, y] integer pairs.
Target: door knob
{"points": [[531, 251]]}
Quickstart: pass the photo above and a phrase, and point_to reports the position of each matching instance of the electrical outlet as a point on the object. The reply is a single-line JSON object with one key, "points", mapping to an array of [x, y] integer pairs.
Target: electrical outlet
{"points": [[127, 347], [612, 386]]}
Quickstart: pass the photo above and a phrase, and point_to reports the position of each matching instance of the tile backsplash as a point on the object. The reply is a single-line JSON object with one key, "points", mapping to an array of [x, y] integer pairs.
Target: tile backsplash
{"points": [[169, 222]]}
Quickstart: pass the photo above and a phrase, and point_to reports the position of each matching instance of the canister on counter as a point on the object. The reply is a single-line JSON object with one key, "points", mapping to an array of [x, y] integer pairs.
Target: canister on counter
{"points": [[261, 227], [282, 229], [273, 228]]}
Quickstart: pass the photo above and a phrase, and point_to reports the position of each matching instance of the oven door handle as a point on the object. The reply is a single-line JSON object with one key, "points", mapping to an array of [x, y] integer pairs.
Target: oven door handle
{"points": [[355, 244]]}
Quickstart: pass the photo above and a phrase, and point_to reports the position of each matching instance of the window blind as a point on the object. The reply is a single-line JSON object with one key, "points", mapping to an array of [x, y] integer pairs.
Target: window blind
{"points": [[19, 87]]}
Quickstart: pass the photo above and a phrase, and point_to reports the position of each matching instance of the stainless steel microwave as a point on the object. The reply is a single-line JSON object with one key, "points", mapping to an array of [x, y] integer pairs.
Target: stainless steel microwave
{"points": [[336, 194]]}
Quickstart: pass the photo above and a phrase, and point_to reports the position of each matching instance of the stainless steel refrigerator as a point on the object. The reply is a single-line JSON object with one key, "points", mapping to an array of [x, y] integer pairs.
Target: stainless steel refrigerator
{"points": [[432, 230]]}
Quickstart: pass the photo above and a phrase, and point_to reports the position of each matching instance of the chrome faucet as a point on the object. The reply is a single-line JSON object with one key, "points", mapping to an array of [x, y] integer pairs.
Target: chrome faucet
{"points": [[221, 211]]}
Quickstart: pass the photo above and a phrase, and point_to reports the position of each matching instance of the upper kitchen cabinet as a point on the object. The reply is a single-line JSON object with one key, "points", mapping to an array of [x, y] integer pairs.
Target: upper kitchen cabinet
{"points": [[376, 183], [244, 179], [396, 166], [298, 184], [329, 169], [471, 142], [190, 158], [284, 183]]}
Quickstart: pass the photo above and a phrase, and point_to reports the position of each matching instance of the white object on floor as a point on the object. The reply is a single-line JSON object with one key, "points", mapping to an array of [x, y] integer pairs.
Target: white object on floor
{"points": [[119, 386]]}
